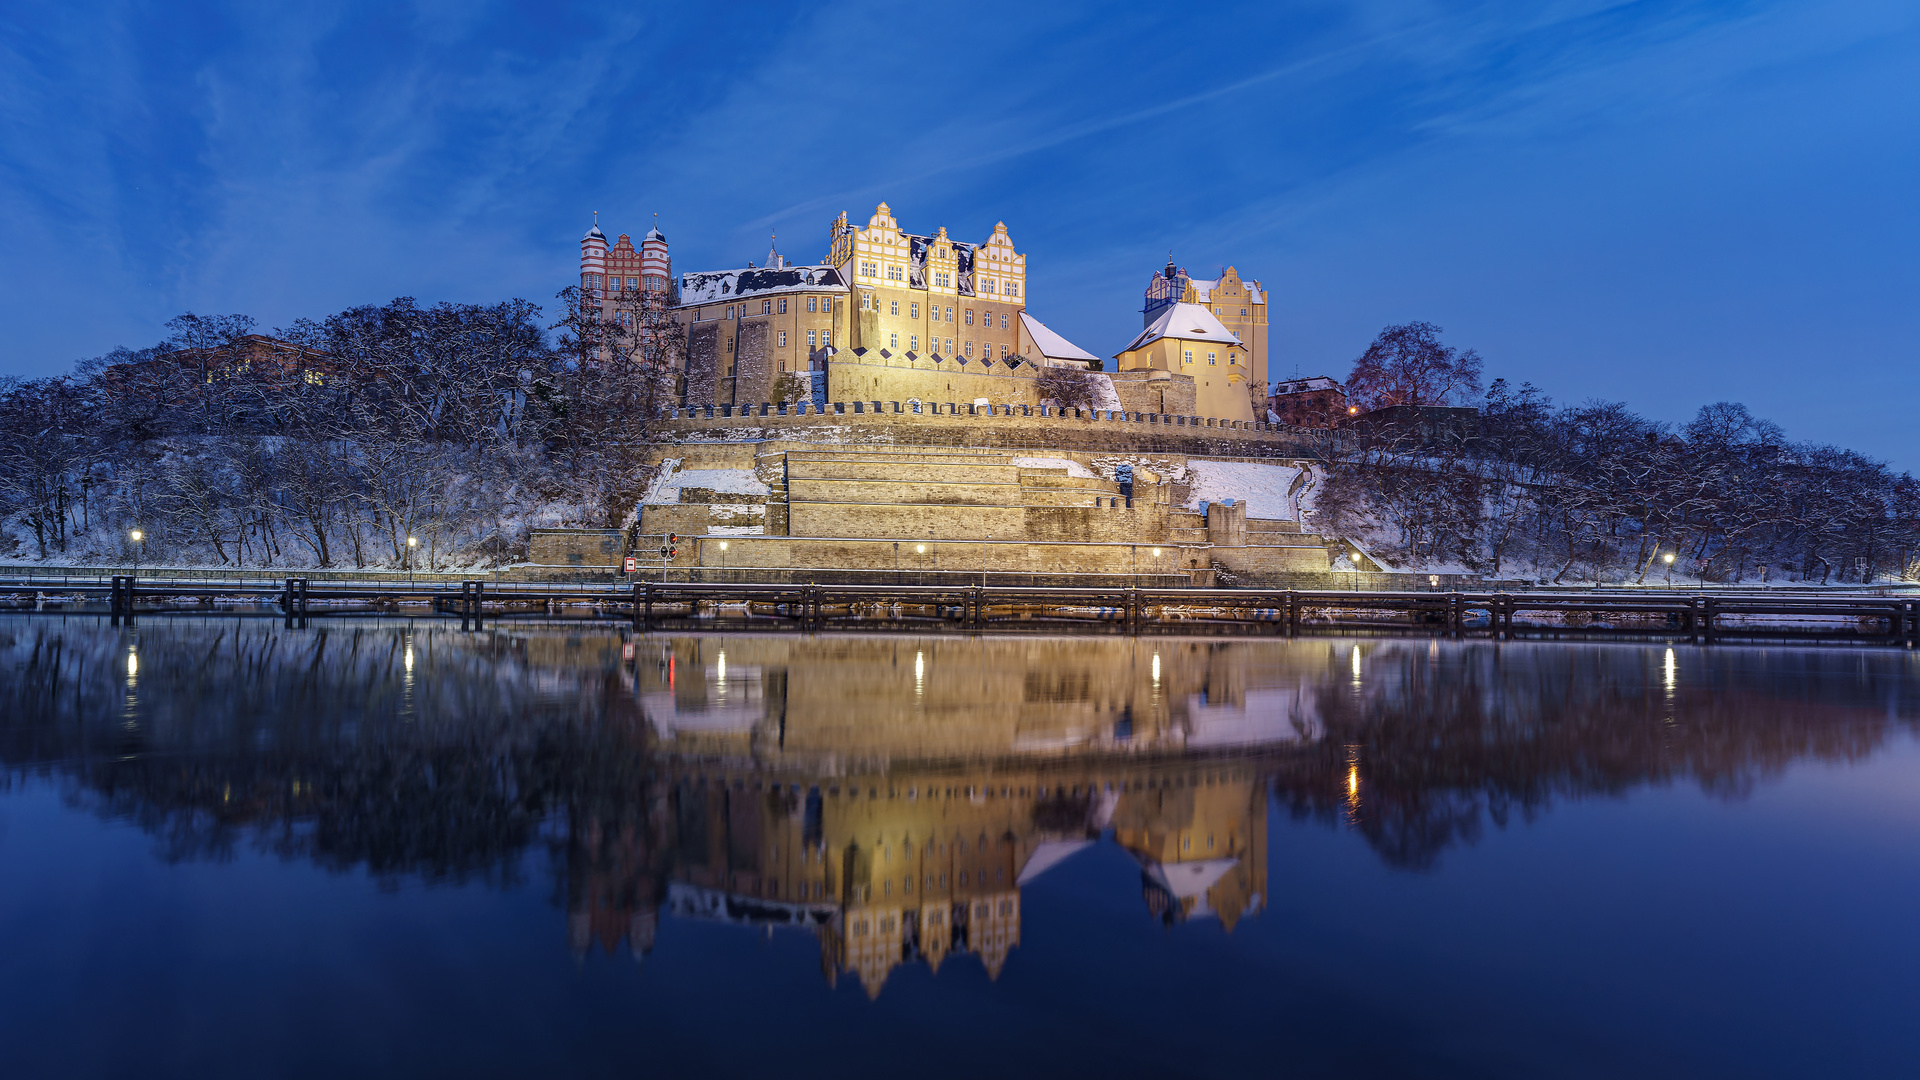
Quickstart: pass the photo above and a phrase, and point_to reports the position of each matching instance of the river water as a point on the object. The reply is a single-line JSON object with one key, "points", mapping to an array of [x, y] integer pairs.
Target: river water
{"points": [[228, 848]]}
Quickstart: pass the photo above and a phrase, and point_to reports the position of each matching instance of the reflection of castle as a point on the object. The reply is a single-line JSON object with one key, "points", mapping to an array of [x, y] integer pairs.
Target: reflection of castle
{"points": [[836, 786]]}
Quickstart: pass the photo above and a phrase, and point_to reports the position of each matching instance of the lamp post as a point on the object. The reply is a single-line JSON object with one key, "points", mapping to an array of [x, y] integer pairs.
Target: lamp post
{"points": [[412, 542], [137, 537], [1669, 560]]}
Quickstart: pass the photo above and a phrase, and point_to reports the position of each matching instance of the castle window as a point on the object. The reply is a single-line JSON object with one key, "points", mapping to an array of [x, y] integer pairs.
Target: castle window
{"points": [[766, 307], [1243, 313], [969, 348], [949, 346], [913, 311], [866, 302], [812, 304], [812, 342], [989, 286], [1003, 351], [1188, 356], [1233, 359], [894, 307], [1212, 361], [783, 339], [1013, 288], [729, 311], [913, 342], [893, 341], [729, 344], [1003, 320], [949, 314], [783, 305], [783, 365], [893, 273], [969, 316]]}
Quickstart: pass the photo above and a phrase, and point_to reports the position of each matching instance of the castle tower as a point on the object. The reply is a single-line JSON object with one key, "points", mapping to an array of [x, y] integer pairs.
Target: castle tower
{"points": [[593, 259], [656, 267]]}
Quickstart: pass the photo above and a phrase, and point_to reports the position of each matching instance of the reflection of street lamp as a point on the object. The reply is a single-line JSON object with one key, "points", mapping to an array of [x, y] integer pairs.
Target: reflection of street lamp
{"points": [[138, 538], [412, 542], [1669, 558]]}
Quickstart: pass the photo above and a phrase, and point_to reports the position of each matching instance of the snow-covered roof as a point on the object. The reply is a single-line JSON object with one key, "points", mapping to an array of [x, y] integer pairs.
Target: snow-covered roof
{"points": [[1204, 287], [1300, 385], [721, 286], [1186, 322], [1052, 345]]}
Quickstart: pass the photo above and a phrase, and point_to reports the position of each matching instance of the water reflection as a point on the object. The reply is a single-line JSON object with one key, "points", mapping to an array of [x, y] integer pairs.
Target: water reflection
{"points": [[890, 796]]}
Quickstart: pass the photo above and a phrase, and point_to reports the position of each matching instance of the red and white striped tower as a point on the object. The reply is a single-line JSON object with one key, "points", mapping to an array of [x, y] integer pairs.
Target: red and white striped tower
{"points": [[656, 268], [593, 260]]}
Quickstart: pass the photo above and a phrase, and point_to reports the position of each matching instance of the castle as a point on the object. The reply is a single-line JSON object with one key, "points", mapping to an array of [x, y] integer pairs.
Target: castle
{"points": [[898, 409], [894, 315]]}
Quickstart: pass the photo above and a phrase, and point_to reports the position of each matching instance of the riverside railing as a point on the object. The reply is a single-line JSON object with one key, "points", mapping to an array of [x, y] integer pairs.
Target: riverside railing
{"points": [[652, 605]]}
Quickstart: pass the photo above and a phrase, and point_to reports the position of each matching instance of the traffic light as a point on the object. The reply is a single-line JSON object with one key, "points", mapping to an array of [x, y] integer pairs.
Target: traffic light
{"points": [[673, 544]]}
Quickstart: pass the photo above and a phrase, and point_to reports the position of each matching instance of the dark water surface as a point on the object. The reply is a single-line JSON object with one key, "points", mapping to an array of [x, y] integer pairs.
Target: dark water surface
{"points": [[394, 848]]}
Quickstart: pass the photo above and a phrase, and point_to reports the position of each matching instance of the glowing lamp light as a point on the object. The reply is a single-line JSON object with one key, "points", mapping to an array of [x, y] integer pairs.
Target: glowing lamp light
{"points": [[1353, 410], [920, 548], [413, 541], [1669, 558], [137, 535], [133, 664], [723, 545]]}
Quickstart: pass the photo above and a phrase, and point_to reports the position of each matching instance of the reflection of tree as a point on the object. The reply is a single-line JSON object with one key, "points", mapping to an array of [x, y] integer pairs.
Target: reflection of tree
{"points": [[1445, 740], [447, 756]]}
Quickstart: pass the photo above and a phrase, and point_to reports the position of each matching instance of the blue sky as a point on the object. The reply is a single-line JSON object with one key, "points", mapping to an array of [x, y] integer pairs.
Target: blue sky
{"points": [[1665, 203]]}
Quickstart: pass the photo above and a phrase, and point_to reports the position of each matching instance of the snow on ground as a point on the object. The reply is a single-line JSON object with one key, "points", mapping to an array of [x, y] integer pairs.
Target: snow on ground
{"points": [[666, 487], [1262, 487], [1073, 468]]}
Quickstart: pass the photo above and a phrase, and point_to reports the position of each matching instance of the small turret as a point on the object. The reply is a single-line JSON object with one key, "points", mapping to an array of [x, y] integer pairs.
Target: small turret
{"points": [[593, 256]]}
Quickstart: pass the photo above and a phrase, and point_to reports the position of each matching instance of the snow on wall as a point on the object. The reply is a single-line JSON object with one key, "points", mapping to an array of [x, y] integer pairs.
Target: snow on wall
{"points": [[1104, 395], [666, 487], [1262, 487], [1073, 468]]}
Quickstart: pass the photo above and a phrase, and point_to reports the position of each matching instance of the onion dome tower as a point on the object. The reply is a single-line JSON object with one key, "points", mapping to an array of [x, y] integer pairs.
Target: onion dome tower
{"points": [[593, 259], [656, 267]]}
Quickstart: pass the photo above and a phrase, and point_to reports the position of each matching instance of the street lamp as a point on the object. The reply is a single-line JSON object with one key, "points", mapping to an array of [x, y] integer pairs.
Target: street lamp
{"points": [[1669, 560], [412, 542], [137, 537]]}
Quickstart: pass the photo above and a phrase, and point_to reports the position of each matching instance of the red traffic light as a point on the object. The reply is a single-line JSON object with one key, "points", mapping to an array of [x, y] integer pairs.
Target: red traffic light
{"points": [[673, 538]]}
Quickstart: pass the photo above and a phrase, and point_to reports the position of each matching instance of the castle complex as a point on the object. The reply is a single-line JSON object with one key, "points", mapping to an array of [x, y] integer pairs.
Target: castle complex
{"points": [[899, 408]]}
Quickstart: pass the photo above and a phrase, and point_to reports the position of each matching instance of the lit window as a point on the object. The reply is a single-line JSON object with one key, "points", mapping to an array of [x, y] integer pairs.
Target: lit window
{"points": [[913, 311], [812, 304]]}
